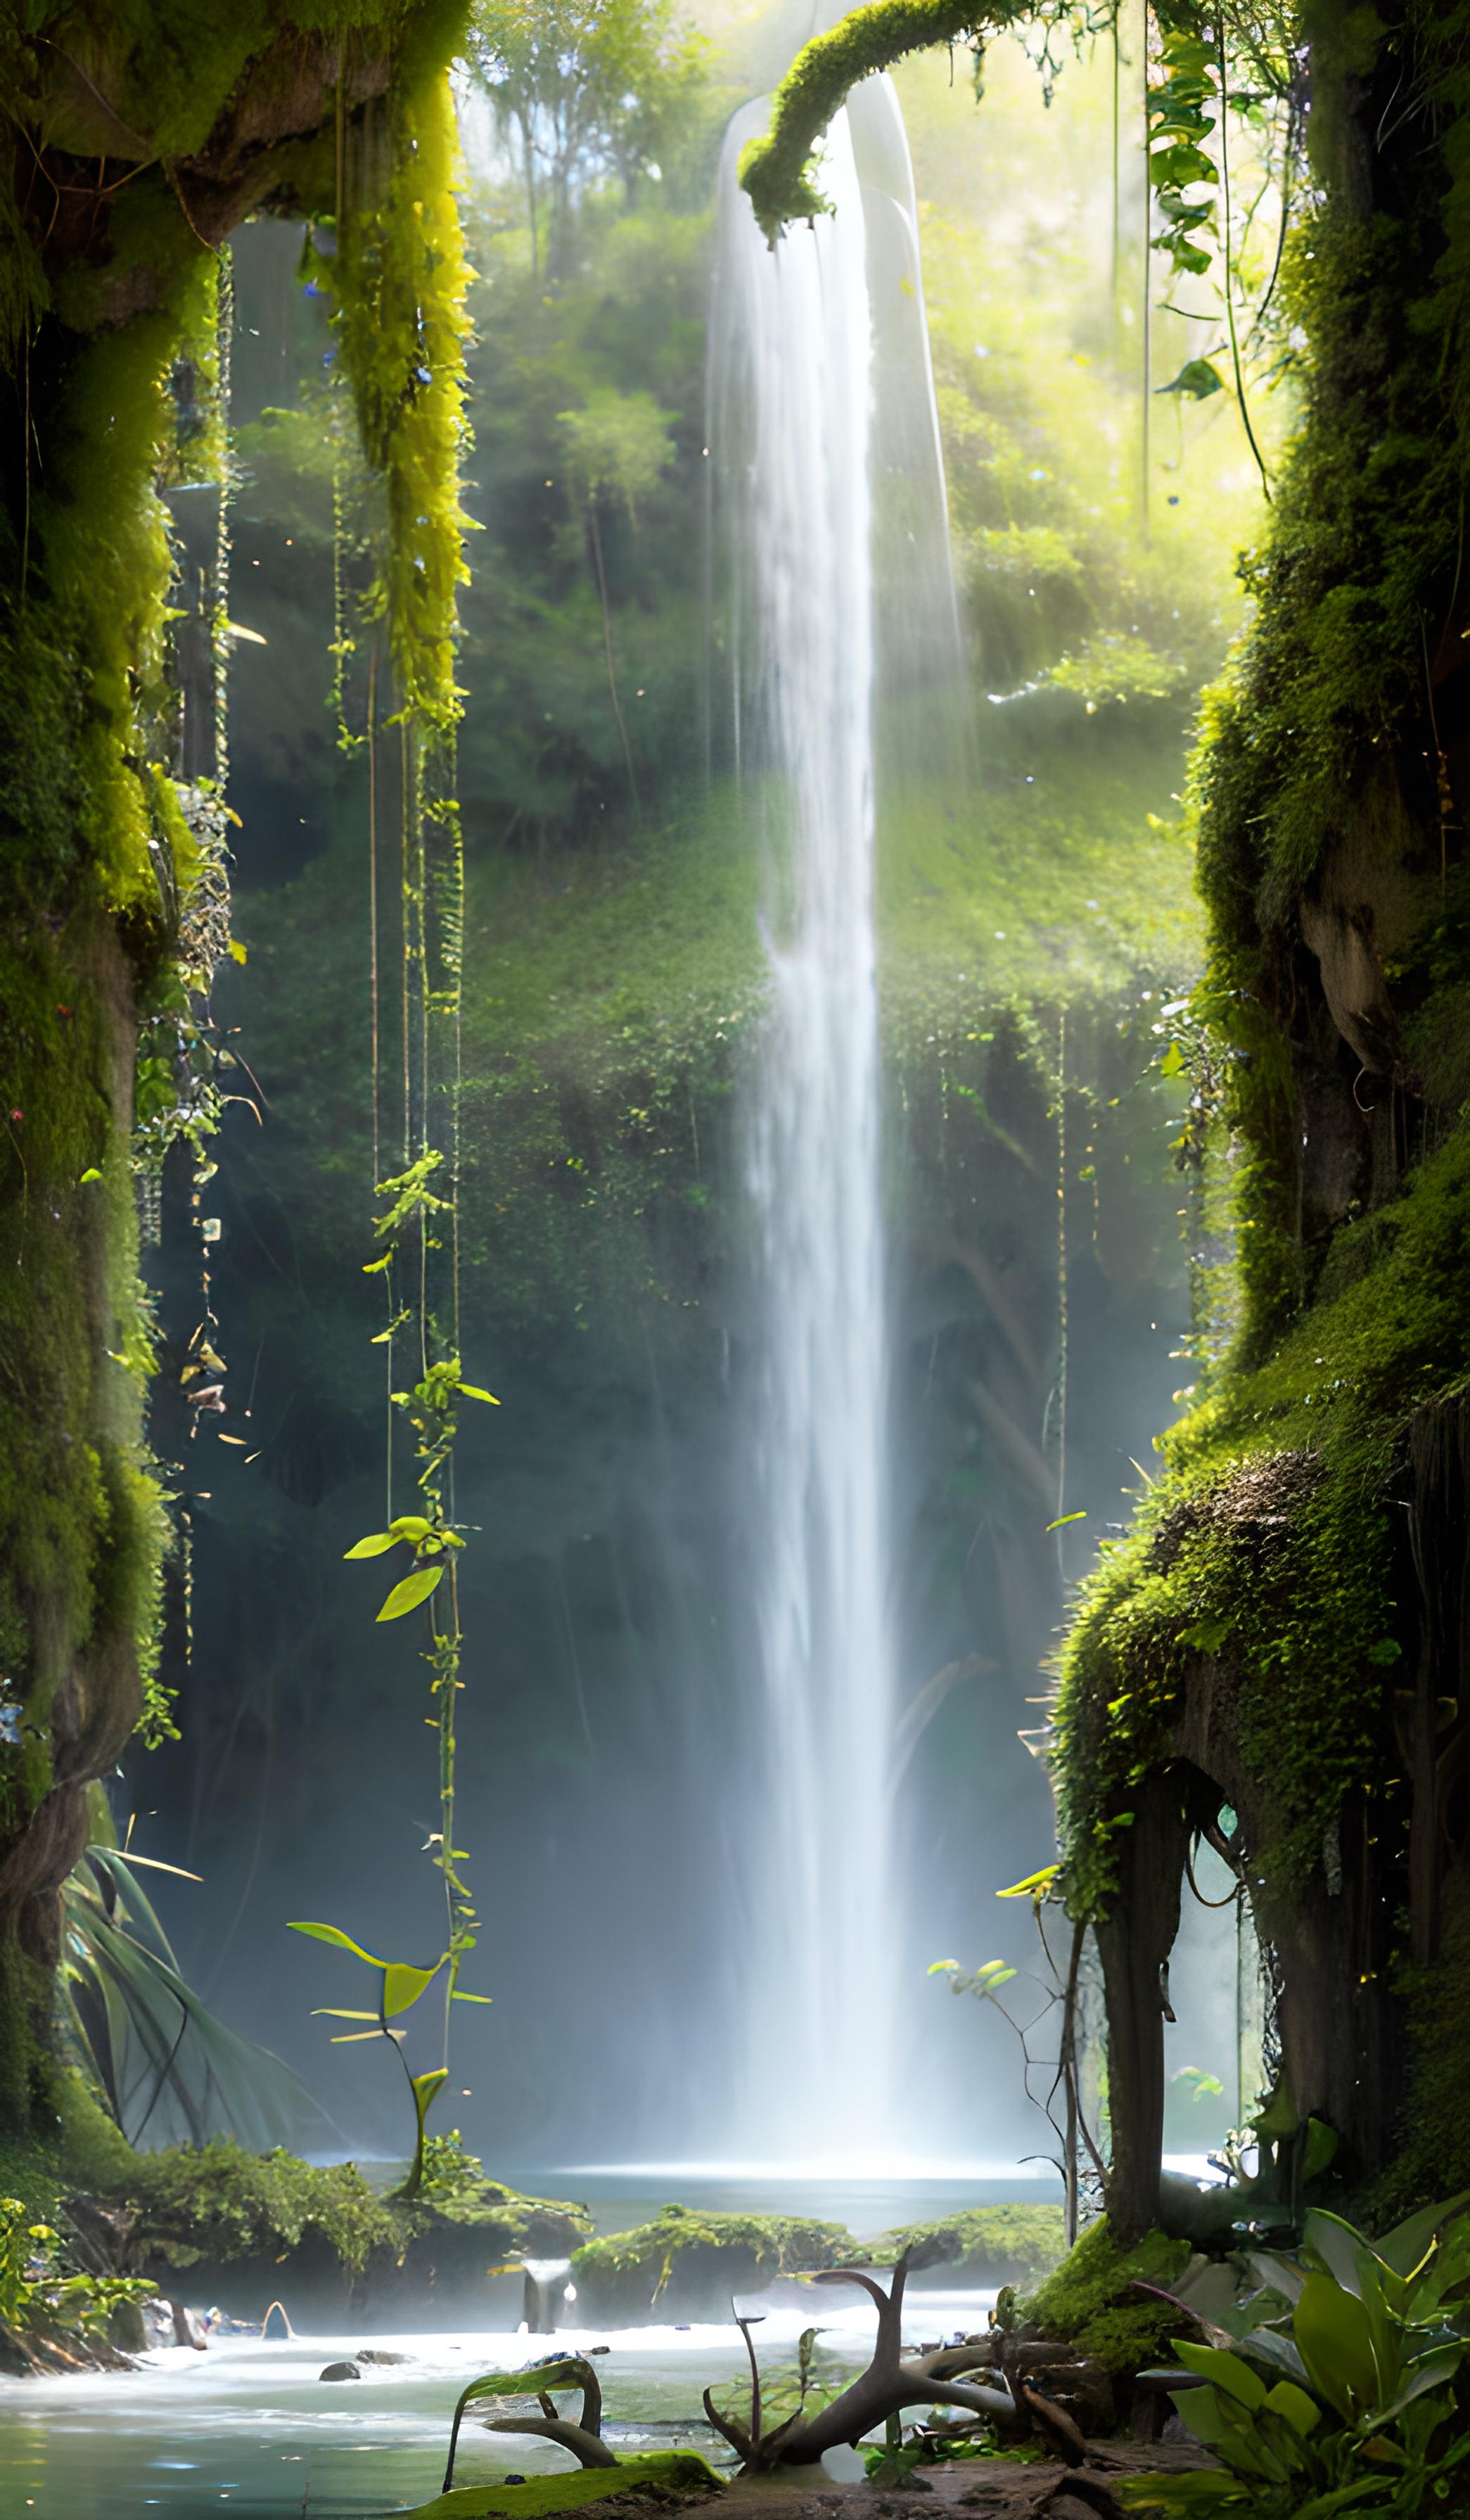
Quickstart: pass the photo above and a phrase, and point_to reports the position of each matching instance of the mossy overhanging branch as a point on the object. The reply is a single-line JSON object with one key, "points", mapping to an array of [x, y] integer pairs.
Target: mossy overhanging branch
{"points": [[777, 171]]}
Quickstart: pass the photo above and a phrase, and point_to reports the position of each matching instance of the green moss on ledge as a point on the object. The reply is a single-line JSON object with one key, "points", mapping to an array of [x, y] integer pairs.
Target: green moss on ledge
{"points": [[689, 2263], [992, 2244], [1092, 2301]]}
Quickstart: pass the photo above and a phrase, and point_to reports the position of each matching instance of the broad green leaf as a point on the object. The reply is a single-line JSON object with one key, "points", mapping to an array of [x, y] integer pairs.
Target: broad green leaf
{"points": [[1197, 380], [1223, 2425], [1339, 2247], [332, 1934], [1334, 2339], [1266, 2345], [410, 1526], [1432, 2371], [1294, 2407], [407, 1596], [1033, 1885], [402, 1986], [374, 1544], [1319, 2150], [1224, 2370], [1406, 2247]]}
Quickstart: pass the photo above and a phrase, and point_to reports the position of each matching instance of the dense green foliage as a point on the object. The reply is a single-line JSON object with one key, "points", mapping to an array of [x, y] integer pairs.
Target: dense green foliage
{"points": [[1341, 2388]]}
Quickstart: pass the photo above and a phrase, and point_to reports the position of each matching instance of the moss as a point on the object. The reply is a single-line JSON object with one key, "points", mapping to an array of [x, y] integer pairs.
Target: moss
{"points": [[1266, 1554], [777, 171], [1268, 1544], [999, 2244], [1091, 2301], [686, 2260], [400, 279], [218, 2205], [103, 856], [674, 2474], [1431, 2157]]}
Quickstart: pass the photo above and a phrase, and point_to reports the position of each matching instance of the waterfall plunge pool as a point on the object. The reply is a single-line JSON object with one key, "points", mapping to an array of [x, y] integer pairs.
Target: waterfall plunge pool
{"points": [[250, 2427]]}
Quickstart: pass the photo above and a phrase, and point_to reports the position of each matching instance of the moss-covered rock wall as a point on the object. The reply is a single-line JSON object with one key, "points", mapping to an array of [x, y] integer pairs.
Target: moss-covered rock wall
{"points": [[136, 142], [1279, 1637]]}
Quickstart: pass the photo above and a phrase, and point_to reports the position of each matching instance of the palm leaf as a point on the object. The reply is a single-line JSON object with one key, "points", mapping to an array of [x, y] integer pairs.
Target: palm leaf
{"points": [[172, 2071]]}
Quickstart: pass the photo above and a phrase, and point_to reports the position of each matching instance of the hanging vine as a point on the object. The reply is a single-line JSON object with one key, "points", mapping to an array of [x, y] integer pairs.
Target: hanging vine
{"points": [[396, 273]]}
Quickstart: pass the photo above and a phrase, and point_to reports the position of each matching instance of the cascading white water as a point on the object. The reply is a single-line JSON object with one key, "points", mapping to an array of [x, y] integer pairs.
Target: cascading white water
{"points": [[792, 401]]}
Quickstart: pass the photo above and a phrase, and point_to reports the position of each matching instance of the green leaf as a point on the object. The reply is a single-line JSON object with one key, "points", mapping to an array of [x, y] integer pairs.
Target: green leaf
{"points": [[1334, 2339], [91, 1174], [426, 2091], [1339, 2247], [1433, 2370], [472, 1391], [403, 1985], [1294, 2407], [374, 1544], [459, 1997], [1319, 2150], [1035, 1884], [1181, 165], [1198, 380], [1224, 2370], [1406, 2247], [332, 1934], [410, 1526], [370, 1268], [407, 1596], [335, 2012], [1172, 1061]]}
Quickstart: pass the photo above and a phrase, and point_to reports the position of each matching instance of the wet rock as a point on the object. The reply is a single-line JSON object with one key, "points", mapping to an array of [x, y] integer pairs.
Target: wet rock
{"points": [[340, 2372], [369, 2354]]}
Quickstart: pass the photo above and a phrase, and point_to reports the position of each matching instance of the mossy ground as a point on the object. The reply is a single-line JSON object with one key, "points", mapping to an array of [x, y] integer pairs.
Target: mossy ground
{"points": [[679, 2472]]}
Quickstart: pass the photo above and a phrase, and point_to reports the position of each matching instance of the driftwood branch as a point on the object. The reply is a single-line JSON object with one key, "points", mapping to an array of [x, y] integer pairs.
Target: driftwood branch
{"points": [[588, 2447], [891, 2381]]}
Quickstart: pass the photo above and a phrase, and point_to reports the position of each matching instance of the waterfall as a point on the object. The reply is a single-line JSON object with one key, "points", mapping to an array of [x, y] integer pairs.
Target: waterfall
{"points": [[794, 420]]}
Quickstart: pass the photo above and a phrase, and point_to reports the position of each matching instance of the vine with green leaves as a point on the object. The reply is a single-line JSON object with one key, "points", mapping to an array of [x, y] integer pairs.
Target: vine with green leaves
{"points": [[396, 274]]}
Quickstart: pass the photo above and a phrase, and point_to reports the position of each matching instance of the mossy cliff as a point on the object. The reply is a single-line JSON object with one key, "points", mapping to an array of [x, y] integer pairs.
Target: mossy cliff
{"points": [[136, 140], [217, 2225], [1279, 1637]]}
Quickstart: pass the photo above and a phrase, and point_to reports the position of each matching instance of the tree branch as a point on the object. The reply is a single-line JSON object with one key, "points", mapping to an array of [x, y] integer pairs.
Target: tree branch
{"points": [[777, 171], [587, 2447]]}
